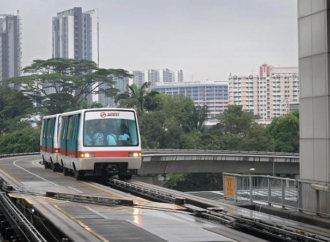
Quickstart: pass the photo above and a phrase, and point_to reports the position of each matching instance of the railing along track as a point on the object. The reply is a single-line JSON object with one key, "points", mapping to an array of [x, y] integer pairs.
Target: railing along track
{"points": [[220, 215], [19, 222]]}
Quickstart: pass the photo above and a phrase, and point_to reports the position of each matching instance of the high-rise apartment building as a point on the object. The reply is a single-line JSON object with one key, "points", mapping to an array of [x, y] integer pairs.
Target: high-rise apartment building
{"points": [[264, 94], [76, 36], [139, 78], [120, 84], [213, 94], [10, 46], [157, 76]]}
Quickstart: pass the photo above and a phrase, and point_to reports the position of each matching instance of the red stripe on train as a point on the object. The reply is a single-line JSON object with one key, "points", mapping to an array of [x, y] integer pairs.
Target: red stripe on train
{"points": [[49, 149], [116, 153], [100, 154]]}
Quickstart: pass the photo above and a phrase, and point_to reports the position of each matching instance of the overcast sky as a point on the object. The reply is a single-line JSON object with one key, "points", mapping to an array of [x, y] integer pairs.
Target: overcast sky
{"points": [[206, 39]]}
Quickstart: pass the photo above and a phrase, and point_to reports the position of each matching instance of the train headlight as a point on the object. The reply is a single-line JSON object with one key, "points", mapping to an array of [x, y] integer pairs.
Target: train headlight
{"points": [[87, 155], [56, 150], [135, 154]]}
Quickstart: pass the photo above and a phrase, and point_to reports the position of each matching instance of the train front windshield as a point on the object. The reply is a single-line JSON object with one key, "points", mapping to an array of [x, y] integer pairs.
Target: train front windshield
{"points": [[110, 128]]}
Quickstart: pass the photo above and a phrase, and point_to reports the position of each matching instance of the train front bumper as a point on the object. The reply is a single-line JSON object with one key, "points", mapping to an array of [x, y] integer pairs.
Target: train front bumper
{"points": [[133, 163]]}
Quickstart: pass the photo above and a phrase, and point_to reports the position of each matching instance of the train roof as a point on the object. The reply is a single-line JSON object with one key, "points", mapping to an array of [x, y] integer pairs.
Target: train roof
{"points": [[89, 109], [51, 116]]}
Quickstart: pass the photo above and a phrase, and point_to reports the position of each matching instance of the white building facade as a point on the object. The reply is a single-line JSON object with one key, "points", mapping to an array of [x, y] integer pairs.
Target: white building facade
{"points": [[265, 93], [213, 94], [156, 76]]}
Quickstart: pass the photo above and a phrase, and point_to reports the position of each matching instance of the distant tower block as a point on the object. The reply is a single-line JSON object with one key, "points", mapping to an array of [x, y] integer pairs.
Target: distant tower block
{"points": [[10, 46]]}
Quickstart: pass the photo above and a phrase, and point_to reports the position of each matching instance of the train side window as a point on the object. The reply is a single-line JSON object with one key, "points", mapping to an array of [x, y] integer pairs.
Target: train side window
{"points": [[44, 125], [64, 121], [59, 127], [70, 128], [76, 127], [53, 128], [49, 128]]}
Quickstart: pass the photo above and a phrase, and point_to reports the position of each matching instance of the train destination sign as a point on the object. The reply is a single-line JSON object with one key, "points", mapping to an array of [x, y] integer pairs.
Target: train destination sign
{"points": [[92, 115]]}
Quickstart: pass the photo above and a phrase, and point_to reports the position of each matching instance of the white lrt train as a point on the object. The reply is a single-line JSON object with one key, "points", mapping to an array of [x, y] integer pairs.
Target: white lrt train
{"points": [[92, 142]]}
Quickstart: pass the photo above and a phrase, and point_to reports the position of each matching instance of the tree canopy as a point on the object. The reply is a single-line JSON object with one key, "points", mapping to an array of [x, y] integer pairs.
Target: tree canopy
{"points": [[60, 84], [14, 107], [138, 98], [285, 132], [20, 141]]}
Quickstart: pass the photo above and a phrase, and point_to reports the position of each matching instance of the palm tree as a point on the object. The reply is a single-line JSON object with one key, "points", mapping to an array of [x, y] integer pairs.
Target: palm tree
{"points": [[135, 97]]}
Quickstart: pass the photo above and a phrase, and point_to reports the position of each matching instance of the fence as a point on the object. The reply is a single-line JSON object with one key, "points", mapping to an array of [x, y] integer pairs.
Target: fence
{"points": [[301, 195]]}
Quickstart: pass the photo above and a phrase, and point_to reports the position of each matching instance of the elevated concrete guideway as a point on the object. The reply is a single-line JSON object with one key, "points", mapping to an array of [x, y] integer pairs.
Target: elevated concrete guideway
{"points": [[200, 161], [164, 161]]}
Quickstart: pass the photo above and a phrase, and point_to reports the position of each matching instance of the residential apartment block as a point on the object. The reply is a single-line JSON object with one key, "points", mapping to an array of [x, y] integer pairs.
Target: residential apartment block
{"points": [[120, 84], [10, 46], [156, 76], [76, 36], [214, 94], [265, 93]]}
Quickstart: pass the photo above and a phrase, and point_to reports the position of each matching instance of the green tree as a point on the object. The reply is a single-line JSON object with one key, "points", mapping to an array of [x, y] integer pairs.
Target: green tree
{"points": [[173, 134], [152, 129], [195, 182], [20, 141], [235, 121], [86, 104], [256, 139], [237, 131], [211, 141], [192, 140], [71, 80], [285, 132], [177, 107], [14, 107], [198, 117], [137, 98], [166, 126]]}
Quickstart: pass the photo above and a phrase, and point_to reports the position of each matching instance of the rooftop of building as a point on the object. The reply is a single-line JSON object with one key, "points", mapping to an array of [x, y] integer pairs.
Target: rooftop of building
{"points": [[266, 69], [192, 83]]}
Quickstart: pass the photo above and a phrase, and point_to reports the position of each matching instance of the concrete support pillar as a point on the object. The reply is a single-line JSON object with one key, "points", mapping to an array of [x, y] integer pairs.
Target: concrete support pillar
{"points": [[314, 66]]}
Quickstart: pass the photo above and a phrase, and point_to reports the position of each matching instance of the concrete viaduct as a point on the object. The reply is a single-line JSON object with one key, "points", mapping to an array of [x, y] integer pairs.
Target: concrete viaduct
{"points": [[205, 161]]}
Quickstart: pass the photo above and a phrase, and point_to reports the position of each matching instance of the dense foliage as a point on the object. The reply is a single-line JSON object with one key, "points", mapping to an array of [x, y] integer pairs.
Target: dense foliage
{"points": [[20, 141], [60, 85], [285, 132], [14, 108]]}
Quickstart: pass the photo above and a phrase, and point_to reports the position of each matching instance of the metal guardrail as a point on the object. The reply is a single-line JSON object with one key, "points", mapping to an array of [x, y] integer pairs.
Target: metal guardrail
{"points": [[19, 154], [26, 229], [145, 191], [219, 214], [220, 152], [299, 195], [190, 151]]}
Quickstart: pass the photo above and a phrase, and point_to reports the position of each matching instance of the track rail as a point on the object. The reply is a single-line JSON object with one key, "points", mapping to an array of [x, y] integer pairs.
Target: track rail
{"points": [[220, 215], [105, 201], [19, 221]]}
